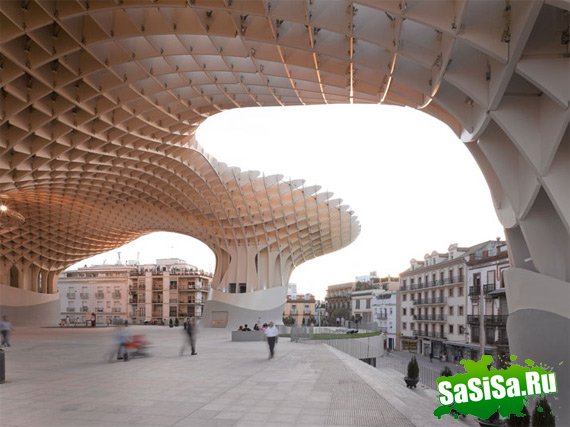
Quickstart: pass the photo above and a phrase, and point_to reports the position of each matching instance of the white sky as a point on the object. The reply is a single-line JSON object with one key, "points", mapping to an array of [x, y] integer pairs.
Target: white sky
{"points": [[413, 185]]}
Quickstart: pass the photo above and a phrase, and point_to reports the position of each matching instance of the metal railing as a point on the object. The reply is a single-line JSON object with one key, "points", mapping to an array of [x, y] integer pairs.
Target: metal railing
{"points": [[474, 291], [430, 301], [99, 295], [490, 287], [70, 295], [84, 295], [431, 317]]}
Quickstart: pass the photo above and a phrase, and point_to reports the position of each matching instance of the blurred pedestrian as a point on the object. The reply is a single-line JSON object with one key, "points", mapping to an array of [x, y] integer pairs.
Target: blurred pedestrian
{"points": [[5, 329], [190, 339], [271, 334], [122, 338]]}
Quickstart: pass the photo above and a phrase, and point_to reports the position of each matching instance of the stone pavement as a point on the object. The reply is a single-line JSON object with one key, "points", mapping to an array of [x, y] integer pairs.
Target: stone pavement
{"points": [[62, 377]]}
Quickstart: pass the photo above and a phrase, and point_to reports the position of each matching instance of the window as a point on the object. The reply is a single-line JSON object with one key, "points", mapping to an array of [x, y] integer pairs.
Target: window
{"points": [[242, 288], [411, 311], [404, 311], [232, 288], [460, 289], [404, 325], [491, 277], [450, 292], [404, 282], [411, 326], [460, 274], [14, 276], [404, 297], [451, 311], [450, 329], [357, 304], [461, 310], [477, 280], [461, 329], [368, 303]]}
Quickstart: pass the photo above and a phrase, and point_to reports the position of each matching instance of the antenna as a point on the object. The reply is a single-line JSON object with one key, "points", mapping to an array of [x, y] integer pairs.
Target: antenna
{"points": [[119, 258]]}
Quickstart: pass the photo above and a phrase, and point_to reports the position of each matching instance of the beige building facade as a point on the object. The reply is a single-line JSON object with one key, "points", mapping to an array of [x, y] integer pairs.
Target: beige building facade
{"points": [[171, 289], [300, 308]]}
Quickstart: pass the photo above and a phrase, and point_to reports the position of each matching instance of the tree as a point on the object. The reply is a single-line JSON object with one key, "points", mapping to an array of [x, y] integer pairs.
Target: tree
{"points": [[413, 368], [523, 421], [542, 415], [288, 321]]}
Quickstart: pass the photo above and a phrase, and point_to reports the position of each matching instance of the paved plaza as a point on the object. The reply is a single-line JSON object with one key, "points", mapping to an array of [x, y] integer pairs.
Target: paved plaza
{"points": [[62, 377]]}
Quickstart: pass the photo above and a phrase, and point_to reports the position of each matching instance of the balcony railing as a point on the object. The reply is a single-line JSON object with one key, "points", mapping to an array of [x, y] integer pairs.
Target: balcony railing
{"points": [[99, 310], [474, 291], [496, 320], [473, 318], [117, 295], [71, 309], [382, 316], [490, 287], [70, 296], [431, 317], [117, 309], [84, 309], [84, 295], [429, 334], [99, 295], [430, 301]]}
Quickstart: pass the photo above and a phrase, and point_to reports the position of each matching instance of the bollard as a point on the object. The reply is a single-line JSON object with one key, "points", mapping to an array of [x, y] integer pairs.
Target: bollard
{"points": [[2, 367]]}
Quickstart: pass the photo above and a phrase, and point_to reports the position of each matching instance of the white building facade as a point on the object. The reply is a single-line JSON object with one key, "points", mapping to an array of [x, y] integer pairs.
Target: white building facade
{"points": [[100, 290], [385, 315]]}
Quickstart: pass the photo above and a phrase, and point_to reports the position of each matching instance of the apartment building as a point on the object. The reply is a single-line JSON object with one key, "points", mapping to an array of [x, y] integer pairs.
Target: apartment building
{"points": [[433, 298], [169, 289], [385, 314], [100, 290], [487, 309], [338, 303], [301, 308]]}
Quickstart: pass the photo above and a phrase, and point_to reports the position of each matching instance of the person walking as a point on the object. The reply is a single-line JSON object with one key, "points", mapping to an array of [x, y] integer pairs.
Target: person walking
{"points": [[271, 333], [5, 328], [122, 338], [191, 337]]}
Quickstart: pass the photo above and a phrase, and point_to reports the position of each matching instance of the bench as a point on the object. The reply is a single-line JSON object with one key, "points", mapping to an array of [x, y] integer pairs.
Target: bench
{"points": [[242, 336]]}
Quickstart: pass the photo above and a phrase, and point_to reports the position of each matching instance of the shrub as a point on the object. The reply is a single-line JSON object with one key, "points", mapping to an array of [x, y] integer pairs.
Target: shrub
{"points": [[542, 415], [523, 421], [413, 368]]}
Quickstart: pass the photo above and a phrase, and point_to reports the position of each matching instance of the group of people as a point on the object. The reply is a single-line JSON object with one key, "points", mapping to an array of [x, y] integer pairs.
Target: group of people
{"points": [[271, 334]]}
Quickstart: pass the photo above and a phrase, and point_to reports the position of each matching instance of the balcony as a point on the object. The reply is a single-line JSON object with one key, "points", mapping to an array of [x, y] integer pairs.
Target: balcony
{"points": [[473, 319], [70, 296], [116, 295], [117, 309], [382, 317], [70, 309], [99, 295], [429, 334], [496, 320], [84, 309], [430, 301], [489, 288], [474, 291], [99, 310], [431, 317], [84, 295]]}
